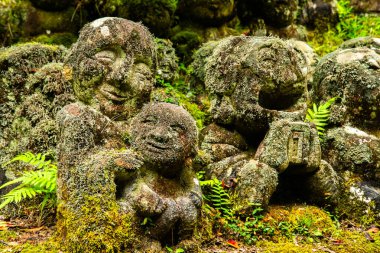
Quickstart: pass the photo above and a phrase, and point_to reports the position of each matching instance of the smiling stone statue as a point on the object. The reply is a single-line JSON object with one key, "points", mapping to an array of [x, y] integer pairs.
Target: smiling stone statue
{"points": [[165, 187], [113, 65]]}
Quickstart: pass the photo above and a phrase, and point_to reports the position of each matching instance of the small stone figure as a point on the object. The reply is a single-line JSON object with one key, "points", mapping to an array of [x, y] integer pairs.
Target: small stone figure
{"points": [[258, 92], [165, 188]]}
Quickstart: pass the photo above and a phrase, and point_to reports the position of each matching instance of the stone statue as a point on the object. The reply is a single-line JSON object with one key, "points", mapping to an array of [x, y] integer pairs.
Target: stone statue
{"points": [[113, 66], [105, 187], [352, 144], [165, 188], [258, 92]]}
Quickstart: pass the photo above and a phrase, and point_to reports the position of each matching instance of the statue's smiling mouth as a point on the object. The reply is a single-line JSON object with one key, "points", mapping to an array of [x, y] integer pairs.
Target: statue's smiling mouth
{"points": [[113, 94], [156, 146]]}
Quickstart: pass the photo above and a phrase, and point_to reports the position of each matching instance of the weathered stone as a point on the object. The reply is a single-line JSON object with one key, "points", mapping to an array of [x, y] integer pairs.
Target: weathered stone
{"points": [[166, 188], [220, 143], [349, 149], [318, 13], [369, 42], [290, 145], [275, 13], [208, 13], [23, 105], [366, 6], [167, 60], [324, 185], [249, 85], [256, 183], [113, 63], [353, 75]]}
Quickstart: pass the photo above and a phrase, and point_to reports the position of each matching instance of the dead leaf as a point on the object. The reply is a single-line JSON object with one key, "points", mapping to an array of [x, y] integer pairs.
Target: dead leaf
{"points": [[233, 243], [373, 230]]}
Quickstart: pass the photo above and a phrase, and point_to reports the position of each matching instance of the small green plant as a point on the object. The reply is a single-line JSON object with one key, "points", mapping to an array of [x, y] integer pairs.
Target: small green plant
{"points": [[179, 250], [42, 181], [217, 197], [350, 25], [319, 115]]}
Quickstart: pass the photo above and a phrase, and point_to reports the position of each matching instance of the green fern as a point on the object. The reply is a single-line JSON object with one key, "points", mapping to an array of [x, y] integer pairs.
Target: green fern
{"points": [[31, 183], [217, 196], [320, 115]]}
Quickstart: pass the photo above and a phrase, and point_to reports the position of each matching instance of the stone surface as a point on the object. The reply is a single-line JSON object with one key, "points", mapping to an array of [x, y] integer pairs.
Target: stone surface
{"points": [[290, 146], [256, 183], [352, 74], [369, 42], [318, 13], [30, 93], [366, 6], [350, 149]]}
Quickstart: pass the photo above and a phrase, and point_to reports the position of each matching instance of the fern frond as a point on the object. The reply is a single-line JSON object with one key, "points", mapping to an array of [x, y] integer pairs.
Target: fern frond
{"points": [[31, 183], [319, 115]]}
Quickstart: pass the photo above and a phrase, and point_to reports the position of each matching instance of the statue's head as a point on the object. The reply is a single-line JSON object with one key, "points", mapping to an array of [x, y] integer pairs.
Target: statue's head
{"points": [[166, 135], [253, 81], [113, 64]]}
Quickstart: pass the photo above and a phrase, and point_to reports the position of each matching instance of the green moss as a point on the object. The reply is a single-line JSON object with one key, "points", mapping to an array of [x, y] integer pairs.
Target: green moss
{"points": [[350, 25], [65, 39], [95, 230], [12, 16]]}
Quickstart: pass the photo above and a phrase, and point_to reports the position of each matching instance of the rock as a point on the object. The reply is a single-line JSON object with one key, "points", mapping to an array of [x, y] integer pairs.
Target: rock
{"points": [[324, 185], [366, 6], [23, 104], [318, 13], [368, 42], [353, 75], [276, 13], [256, 184], [290, 146], [157, 15], [349, 149]]}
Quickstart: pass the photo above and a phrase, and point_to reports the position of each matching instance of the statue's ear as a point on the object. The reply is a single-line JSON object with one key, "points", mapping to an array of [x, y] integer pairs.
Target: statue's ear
{"points": [[222, 111]]}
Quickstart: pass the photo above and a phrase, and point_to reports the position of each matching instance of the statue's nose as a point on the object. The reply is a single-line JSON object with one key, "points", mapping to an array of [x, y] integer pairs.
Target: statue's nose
{"points": [[160, 134], [119, 73]]}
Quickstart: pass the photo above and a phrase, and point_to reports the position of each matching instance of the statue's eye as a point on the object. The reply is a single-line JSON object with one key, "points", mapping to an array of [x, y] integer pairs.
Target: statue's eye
{"points": [[106, 56], [178, 128]]}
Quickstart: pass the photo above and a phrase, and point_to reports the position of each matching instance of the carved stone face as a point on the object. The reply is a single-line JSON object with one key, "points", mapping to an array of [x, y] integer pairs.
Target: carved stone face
{"points": [[113, 64], [254, 81], [166, 135]]}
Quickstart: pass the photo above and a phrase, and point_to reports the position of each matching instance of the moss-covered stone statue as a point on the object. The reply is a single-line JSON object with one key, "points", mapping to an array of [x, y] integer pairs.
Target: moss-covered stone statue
{"points": [[257, 87], [113, 66], [165, 188], [352, 145]]}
